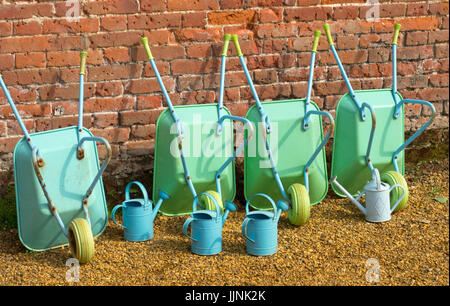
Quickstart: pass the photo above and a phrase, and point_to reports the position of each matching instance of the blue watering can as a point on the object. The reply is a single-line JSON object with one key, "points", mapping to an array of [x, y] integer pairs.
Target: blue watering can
{"points": [[138, 215], [207, 226], [260, 228]]}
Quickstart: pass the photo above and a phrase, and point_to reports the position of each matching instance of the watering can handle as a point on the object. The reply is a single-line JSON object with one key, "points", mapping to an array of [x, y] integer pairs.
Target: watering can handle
{"points": [[83, 55], [397, 28], [185, 228], [244, 229], [264, 196], [401, 197], [143, 190], [113, 214], [194, 204]]}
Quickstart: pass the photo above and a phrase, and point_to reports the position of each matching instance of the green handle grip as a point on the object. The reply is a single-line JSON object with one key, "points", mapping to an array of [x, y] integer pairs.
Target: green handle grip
{"points": [[83, 55], [144, 41], [316, 40], [326, 27], [234, 38], [397, 28], [226, 42]]}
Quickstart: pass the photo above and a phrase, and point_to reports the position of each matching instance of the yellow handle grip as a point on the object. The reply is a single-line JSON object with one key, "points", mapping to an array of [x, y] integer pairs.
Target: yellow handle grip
{"points": [[316, 40], [326, 27], [83, 55], [226, 42], [234, 38], [397, 28], [144, 41]]}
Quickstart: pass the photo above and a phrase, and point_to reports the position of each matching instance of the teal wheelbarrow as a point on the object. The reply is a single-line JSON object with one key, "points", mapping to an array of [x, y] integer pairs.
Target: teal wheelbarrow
{"points": [[288, 150], [59, 190], [194, 151], [357, 149]]}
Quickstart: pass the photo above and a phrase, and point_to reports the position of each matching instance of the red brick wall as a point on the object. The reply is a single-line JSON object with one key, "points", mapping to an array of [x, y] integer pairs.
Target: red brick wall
{"points": [[39, 61]]}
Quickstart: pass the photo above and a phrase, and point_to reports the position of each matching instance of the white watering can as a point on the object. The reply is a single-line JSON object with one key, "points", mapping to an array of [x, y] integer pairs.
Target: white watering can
{"points": [[378, 208]]}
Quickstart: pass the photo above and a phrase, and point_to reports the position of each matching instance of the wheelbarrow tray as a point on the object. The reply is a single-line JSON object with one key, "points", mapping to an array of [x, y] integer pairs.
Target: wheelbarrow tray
{"points": [[295, 148], [352, 136], [199, 123], [67, 179]]}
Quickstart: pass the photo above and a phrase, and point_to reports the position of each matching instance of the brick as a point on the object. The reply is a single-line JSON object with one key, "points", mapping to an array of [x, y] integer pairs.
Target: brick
{"points": [[262, 3], [83, 25], [111, 7], [27, 28], [103, 120], [271, 15], [117, 55], [416, 38], [346, 42], [31, 76], [140, 148], [143, 131], [438, 36], [58, 92], [114, 39], [276, 45], [23, 11], [19, 95], [6, 61], [72, 58], [153, 5], [197, 97], [346, 12], [5, 28], [275, 31], [33, 59], [154, 21], [197, 19], [46, 124], [109, 89], [386, 10], [39, 43], [108, 104], [198, 51], [433, 94], [192, 5], [441, 51], [419, 23], [168, 52], [440, 8], [233, 17], [379, 55], [307, 13], [200, 35], [141, 117], [194, 67], [146, 102], [163, 69], [342, 1], [265, 77], [8, 144], [355, 27], [26, 110], [189, 83], [231, 4], [416, 9], [295, 74], [268, 92], [439, 80], [113, 23], [114, 72], [149, 85], [114, 134]]}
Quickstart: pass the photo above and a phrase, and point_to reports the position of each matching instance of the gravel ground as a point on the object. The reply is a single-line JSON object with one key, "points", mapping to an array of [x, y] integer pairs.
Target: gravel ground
{"points": [[333, 248]]}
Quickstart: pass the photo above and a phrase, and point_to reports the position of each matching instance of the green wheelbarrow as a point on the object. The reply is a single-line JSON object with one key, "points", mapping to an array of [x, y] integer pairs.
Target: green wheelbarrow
{"points": [[288, 150], [58, 182], [194, 150], [355, 155]]}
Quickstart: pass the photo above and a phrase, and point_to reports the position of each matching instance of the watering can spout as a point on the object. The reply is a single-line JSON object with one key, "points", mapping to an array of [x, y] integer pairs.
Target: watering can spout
{"points": [[228, 207], [282, 206], [334, 181], [162, 196]]}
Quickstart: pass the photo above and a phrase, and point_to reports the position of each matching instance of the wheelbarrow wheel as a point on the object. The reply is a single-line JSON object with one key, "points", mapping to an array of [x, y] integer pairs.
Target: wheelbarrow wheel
{"points": [[81, 241], [208, 203], [298, 214], [393, 178]]}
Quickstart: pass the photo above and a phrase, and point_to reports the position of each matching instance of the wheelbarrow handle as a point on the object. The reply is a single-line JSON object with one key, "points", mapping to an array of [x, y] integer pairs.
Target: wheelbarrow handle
{"points": [[397, 28], [83, 56], [235, 40], [326, 27], [144, 41], [226, 42], [316, 40]]}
